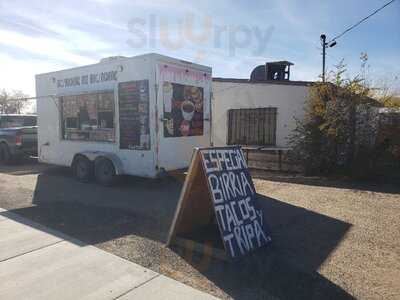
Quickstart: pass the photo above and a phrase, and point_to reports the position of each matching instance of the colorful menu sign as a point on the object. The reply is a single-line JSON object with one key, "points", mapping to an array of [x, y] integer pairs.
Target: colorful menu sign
{"points": [[183, 110]]}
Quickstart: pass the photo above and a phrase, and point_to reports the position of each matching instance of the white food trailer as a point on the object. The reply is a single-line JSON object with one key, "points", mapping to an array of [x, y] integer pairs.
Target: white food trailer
{"points": [[139, 116]]}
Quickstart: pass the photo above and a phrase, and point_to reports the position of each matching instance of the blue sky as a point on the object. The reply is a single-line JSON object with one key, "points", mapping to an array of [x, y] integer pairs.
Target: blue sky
{"points": [[230, 36]]}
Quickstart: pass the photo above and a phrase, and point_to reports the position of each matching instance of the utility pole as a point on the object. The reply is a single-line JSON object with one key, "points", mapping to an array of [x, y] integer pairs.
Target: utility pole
{"points": [[323, 42], [333, 42]]}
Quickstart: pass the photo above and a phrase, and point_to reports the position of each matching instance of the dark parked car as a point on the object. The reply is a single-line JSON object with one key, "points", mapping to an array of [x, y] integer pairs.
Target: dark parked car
{"points": [[18, 137]]}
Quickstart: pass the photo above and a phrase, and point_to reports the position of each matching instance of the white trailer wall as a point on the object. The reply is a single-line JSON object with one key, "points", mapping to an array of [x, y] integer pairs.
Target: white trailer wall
{"points": [[288, 99], [167, 153], [55, 150]]}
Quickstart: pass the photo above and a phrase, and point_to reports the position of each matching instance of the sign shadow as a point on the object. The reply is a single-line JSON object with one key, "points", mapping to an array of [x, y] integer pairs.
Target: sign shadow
{"points": [[287, 269]]}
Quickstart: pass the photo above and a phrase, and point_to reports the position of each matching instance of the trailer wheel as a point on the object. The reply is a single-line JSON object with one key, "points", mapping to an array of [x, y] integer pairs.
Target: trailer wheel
{"points": [[5, 155], [105, 172], [82, 168]]}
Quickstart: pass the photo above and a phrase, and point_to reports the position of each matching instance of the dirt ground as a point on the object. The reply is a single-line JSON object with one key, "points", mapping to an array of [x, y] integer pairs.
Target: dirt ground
{"points": [[331, 239]]}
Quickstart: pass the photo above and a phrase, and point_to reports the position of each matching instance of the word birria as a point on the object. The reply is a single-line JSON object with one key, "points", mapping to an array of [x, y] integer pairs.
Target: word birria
{"points": [[233, 194]]}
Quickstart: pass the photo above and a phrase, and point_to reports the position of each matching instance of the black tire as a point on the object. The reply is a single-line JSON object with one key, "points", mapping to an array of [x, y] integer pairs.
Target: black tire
{"points": [[105, 172], [83, 169], [5, 155]]}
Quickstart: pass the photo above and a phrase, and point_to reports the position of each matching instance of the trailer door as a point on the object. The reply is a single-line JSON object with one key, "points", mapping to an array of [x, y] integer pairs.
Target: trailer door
{"points": [[183, 104]]}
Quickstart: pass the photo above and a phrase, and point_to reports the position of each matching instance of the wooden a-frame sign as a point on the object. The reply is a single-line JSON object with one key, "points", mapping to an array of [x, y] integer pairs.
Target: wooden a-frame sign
{"points": [[218, 207]]}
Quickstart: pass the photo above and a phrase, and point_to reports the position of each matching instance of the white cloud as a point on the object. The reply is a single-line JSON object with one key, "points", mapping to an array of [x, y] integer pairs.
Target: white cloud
{"points": [[20, 74], [52, 48]]}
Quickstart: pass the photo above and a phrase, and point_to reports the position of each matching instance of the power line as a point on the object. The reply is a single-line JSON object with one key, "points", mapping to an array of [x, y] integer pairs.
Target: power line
{"points": [[362, 20]]}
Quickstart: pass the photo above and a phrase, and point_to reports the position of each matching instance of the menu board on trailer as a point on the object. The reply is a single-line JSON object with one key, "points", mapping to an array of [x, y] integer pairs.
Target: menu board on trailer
{"points": [[134, 115]]}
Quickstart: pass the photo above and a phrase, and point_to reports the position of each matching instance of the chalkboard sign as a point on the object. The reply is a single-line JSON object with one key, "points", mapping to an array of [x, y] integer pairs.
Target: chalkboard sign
{"points": [[219, 188], [134, 113]]}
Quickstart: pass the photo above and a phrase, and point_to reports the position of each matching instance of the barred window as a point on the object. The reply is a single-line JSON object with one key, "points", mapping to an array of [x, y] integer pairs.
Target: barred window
{"points": [[252, 126]]}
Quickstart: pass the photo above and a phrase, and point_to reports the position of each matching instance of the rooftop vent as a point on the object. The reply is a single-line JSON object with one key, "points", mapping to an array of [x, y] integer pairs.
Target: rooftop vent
{"points": [[277, 70]]}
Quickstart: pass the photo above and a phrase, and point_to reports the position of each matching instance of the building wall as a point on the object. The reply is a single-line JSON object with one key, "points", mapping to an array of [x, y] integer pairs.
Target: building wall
{"points": [[289, 99]]}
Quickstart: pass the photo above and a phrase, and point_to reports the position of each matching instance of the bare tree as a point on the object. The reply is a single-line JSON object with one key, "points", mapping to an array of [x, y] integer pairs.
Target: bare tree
{"points": [[12, 102]]}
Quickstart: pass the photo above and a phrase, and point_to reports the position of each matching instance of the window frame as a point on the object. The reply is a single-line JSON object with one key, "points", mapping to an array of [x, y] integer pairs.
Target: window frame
{"points": [[61, 116], [270, 114]]}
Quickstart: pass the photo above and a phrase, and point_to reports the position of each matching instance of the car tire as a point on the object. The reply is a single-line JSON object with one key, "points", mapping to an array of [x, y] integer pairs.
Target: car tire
{"points": [[105, 172], [83, 169], [5, 155]]}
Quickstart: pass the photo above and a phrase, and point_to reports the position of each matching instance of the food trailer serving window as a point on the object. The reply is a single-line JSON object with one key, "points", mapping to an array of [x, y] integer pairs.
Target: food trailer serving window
{"points": [[88, 117]]}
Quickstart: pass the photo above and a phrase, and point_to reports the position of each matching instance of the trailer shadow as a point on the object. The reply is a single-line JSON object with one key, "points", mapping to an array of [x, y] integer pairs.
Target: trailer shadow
{"points": [[94, 214], [24, 166], [288, 268]]}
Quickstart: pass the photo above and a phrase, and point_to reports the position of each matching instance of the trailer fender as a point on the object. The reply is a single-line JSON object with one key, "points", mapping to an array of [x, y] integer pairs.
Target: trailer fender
{"points": [[95, 155]]}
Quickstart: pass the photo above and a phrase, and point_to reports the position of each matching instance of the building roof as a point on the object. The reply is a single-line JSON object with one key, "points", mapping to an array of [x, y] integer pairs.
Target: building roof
{"points": [[282, 82], [115, 59], [281, 62]]}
